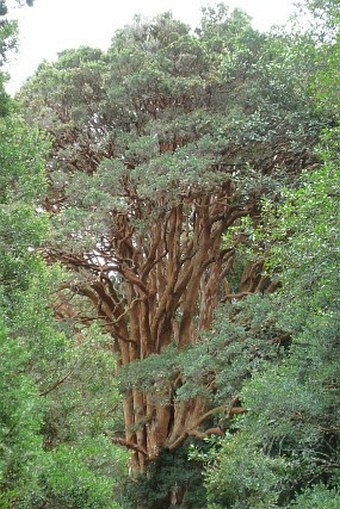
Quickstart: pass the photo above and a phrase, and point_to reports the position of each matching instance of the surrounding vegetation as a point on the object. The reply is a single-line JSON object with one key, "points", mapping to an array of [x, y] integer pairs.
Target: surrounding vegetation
{"points": [[169, 288]]}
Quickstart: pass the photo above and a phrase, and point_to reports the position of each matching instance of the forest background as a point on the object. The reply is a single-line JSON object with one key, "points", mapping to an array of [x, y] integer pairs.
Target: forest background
{"points": [[169, 269]]}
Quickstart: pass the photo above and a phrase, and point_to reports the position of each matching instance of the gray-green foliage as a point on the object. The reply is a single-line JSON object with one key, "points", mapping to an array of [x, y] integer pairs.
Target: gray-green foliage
{"points": [[242, 338], [290, 434], [318, 497], [293, 415], [244, 477], [166, 112]]}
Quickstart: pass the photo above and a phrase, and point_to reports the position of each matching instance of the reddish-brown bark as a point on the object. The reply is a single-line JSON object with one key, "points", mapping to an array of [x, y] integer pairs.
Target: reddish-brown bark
{"points": [[160, 288]]}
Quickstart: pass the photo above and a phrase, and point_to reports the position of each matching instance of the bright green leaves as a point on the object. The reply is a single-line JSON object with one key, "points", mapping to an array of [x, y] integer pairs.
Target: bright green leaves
{"points": [[244, 476], [22, 181], [72, 478], [20, 420], [55, 389], [20, 232], [306, 237], [21, 162]]}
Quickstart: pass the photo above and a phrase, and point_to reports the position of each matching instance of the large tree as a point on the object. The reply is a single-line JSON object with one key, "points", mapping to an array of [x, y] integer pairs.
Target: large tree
{"points": [[160, 147]]}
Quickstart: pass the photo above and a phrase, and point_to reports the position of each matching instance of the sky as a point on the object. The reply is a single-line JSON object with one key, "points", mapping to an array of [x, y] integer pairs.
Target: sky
{"points": [[51, 26]]}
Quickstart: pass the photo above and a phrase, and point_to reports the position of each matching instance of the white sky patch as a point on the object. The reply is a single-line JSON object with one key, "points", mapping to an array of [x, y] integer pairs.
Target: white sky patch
{"points": [[51, 26]]}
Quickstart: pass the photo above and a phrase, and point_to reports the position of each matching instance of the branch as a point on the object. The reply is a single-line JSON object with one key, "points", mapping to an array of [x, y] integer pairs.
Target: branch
{"points": [[127, 310], [235, 296], [57, 383], [192, 430], [205, 416], [331, 430], [129, 445], [133, 279], [201, 435], [230, 411]]}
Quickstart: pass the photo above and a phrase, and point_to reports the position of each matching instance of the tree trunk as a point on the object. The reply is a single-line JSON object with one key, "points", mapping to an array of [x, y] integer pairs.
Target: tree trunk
{"points": [[157, 289]]}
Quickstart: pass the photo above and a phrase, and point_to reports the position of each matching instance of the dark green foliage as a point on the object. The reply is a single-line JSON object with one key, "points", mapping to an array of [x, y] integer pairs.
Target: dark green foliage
{"points": [[20, 419], [293, 406], [171, 481], [318, 497]]}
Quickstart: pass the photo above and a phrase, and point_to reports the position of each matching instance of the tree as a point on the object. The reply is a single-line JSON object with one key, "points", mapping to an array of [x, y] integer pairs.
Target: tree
{"points": [[160, 147], [8, 29]]}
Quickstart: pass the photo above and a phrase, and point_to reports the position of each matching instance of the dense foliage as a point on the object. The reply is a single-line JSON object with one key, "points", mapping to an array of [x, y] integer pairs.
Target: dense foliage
{"points": [[169, 270], [287, 445], [160, 146], [51, 385], [289, 438], [54, 407]]}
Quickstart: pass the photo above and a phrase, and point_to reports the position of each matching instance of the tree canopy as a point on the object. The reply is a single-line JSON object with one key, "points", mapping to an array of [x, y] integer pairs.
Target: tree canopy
{"points": [[169, 270]]}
